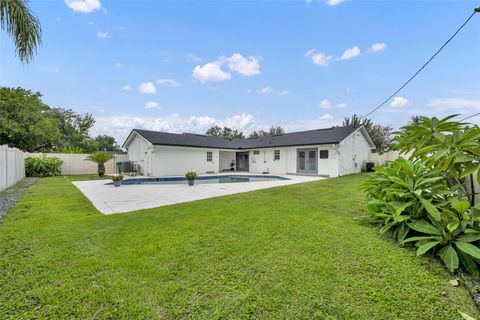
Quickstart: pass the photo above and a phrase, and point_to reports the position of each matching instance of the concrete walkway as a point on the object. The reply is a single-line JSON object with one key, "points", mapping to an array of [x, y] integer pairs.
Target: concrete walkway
{"points": [[109, 199]]}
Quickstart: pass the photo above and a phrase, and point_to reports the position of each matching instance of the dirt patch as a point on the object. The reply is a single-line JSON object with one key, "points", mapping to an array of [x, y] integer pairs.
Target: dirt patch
{"points": [[10, 196]]}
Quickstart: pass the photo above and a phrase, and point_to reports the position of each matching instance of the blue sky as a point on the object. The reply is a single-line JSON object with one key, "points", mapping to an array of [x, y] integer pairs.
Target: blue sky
{"points": [[184, 66]]}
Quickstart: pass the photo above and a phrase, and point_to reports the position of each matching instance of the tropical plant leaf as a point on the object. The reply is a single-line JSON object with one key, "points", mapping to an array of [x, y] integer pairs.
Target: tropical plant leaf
{"points": [[449, 257], [469, 263], [421, 238], [426, 246], [468, 248], [425, 227], [431, 209], [466, 316], [469, 237]]}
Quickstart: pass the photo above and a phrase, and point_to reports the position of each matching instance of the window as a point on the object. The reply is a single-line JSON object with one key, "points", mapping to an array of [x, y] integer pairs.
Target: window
{"points": [[323, 154], [209, 156], [276, 155], [256, 152]]}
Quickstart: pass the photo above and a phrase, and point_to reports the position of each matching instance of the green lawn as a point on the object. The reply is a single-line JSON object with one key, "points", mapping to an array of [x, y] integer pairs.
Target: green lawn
{"points": [[289, 252]]}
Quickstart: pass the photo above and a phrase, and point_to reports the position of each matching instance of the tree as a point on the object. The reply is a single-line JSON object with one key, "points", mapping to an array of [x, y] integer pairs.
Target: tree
{"points": [[107, 143], [23, 26], [380, 134], [25, 121], [74, 129], [225, 132], [100, 158], [274, 130]]}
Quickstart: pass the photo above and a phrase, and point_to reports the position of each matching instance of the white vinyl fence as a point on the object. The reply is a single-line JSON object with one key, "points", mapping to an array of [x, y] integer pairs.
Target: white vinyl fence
{"points": [[74, 163], [12, 166]]}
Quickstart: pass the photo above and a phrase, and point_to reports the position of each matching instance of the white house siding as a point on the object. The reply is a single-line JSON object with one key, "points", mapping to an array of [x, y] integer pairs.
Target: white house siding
{"points": [[354, 153], [263, 162], [179, 160], [139, 151], [226, 158]]}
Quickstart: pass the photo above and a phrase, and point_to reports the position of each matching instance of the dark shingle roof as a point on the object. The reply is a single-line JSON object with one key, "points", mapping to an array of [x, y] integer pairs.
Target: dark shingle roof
{"points": [[332, 135]]}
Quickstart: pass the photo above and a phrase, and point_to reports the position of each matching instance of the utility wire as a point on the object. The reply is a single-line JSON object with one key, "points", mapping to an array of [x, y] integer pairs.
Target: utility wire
{"points": [[426, 63], [473, 115]]}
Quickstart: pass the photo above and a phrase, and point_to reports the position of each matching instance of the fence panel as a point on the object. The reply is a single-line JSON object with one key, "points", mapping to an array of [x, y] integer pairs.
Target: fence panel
{"points": [[12, 166], [75, 163]]}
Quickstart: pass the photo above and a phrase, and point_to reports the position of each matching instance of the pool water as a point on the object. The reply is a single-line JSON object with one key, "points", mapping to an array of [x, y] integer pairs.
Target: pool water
{"points": [[202, 179]]}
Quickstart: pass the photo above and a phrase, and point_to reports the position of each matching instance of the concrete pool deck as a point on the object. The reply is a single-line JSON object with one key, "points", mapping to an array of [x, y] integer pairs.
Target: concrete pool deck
{"points": [[109, 199]]}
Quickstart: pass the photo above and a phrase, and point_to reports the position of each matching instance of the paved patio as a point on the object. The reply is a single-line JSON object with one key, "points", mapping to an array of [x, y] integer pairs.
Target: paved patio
{"points": [[109, 199]]}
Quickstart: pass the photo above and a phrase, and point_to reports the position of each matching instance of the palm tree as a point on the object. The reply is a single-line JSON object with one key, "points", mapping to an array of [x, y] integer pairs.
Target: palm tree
{"points": [[23, 26], [100, 158]]}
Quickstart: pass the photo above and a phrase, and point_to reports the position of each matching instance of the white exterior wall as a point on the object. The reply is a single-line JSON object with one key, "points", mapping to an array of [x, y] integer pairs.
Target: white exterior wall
{"points": [[354, 153], [179, 160], [226, 158], [140, 151], [287, 164]]}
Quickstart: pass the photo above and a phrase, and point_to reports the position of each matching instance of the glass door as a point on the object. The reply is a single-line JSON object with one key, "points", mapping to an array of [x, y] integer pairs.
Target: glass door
{"points": [[307, 161]]}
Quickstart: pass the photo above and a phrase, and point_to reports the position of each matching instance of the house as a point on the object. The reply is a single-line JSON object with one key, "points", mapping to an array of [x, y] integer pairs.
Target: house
{"points": [[328, 152]]}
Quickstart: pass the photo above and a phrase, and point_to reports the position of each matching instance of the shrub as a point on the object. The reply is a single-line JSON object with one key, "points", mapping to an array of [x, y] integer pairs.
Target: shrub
{"points": [[424, 199], [117, 177], [43, 166], [191, 175]]}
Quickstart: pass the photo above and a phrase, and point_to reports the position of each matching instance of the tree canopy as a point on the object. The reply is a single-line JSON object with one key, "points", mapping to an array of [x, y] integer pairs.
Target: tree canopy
{"points": [[29, 124], [225, 132], [380, 134], [274, 130]]}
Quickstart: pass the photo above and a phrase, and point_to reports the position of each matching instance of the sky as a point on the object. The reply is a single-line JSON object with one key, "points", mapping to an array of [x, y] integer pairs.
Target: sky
{"points": [[184, 66]]}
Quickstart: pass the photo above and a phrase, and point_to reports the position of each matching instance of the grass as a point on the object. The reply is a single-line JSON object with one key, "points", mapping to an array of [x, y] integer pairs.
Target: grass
{"points": [[287, 252]]}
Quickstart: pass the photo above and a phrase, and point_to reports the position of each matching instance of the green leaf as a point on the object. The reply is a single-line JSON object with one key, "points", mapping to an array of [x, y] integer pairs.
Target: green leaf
{"points": [[468, 263], [449, 257], [431, 209], [468, 248], [421, 238], [453, 226], [425, 247], [478, 175], [466, 316], [469, 237], [469, 169], [402, 232], [424, 227], [460, 205]]}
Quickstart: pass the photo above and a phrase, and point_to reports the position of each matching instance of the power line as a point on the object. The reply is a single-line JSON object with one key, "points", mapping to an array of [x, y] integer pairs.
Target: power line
{"points": [[473, 115], [426, 63]]}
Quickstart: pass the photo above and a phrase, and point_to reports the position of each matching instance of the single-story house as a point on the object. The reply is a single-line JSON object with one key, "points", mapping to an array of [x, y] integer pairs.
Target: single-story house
{"points": [[329, 152]]}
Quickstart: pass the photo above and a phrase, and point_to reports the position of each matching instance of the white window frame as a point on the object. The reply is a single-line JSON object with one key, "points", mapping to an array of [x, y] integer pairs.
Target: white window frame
{"points": [[209, 156], [276, 155]]}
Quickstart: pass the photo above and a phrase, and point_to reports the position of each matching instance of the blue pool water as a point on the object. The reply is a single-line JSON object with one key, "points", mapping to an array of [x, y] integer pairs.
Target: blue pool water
{"points": [[203, 179]]}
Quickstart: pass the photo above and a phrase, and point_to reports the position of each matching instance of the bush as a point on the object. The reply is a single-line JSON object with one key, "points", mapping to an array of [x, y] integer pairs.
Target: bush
{"points": [[192, 175], [117, 177], [424, 199], [43, 166]]}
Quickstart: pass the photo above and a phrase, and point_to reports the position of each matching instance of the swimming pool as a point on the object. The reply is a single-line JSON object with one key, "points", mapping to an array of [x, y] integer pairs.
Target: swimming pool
{"points": [[230, 178]]}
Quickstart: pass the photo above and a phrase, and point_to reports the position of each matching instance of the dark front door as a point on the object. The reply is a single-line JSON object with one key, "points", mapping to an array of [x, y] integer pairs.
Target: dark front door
{"points": [[307, 161], [242, 161]]}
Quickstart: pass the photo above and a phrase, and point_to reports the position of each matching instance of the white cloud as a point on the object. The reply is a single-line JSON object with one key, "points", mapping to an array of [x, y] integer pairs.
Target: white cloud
{"points": [[120, 126], [377, 47], [102, 34], [326, 116], [147, 88], [91, 23], [320, 58], [168, 82], [342, 105], [399, 102], [245, 66], [270, 90], [152, 105], [334, 2], [121, 28], [127, 87], [210, 72], [213, 71], [350, 53], [84, 6], [325, 104]]}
